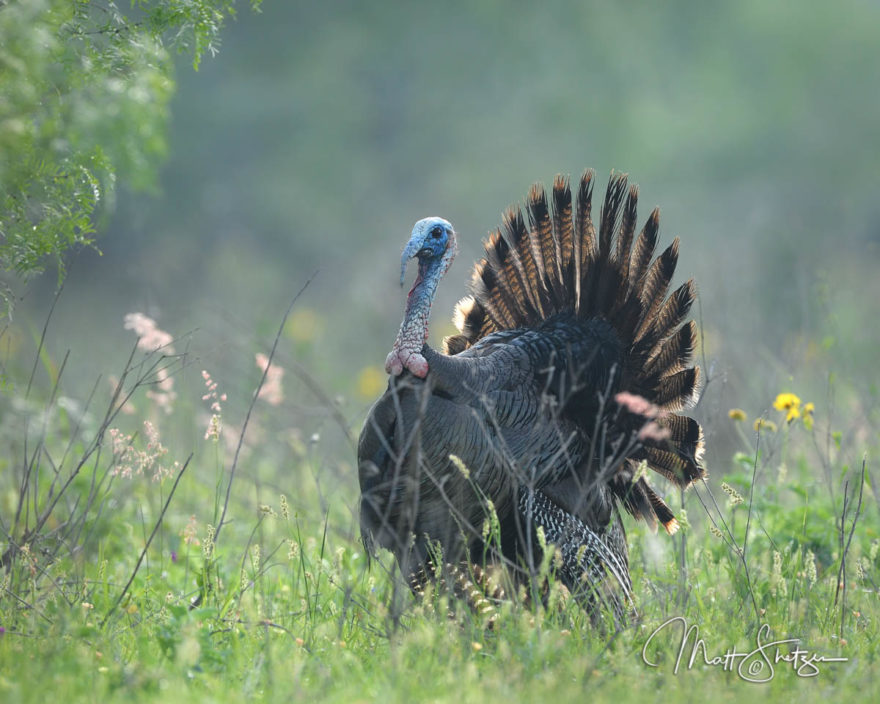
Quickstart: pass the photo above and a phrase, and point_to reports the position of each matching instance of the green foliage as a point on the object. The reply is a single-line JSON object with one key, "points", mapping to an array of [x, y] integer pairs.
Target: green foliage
{"points": [[85, 91]]}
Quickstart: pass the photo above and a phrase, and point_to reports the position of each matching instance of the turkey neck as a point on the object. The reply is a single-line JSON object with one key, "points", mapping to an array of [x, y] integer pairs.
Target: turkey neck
{"points": [[414, 328]]}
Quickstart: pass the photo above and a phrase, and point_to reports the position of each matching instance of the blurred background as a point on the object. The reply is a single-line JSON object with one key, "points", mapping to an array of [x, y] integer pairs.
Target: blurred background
{"points": [[322, 131]]}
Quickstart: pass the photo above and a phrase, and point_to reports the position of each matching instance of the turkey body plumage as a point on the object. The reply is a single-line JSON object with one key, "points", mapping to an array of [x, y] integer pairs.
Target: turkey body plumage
{"points": [[569, 370]]}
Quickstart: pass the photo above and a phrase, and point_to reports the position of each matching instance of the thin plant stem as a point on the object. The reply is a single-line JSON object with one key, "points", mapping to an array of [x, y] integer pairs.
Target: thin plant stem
{"points": [[149, 540]]}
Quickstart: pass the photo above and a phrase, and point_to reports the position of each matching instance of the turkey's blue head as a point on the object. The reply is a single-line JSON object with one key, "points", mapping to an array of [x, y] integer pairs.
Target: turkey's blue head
{"points": [[433, 243]]}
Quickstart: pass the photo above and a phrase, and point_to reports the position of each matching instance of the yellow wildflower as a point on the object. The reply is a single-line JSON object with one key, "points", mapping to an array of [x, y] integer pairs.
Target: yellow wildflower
{"points": [[304, 325], [790, 403], [808, 422], [785, 402], [737, 414], [763, 424], [371, 382], [808, 415]]}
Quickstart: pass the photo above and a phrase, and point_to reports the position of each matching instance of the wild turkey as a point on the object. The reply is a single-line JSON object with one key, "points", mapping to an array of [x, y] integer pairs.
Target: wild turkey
{"points": [[566, 378]]}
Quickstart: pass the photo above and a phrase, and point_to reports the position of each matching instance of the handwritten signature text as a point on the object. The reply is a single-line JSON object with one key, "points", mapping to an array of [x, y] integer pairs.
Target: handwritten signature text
{"points": [[756, 665]]}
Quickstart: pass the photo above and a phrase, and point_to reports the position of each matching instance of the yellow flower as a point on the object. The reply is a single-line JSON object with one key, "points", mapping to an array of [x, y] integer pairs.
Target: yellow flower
{"points": [[737, 414], [304, 325], [791, 404], [785, 402], [808, 415], [763, 424], [371, 382]]}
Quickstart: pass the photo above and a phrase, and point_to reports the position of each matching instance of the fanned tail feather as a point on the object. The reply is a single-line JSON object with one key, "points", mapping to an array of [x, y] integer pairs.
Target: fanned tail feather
{"points": [[553, 261]]}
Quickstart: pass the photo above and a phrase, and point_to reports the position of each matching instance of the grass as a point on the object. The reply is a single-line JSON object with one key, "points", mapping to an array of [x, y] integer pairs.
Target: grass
{"points": [[130, 574]]}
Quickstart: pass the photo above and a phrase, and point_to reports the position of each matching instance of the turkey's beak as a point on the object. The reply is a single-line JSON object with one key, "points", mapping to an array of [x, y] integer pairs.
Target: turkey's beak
{"points": [[411, 250]]}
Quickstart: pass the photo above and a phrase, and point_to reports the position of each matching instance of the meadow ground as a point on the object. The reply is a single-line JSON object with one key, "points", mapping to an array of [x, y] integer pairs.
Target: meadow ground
{"points": [[235, 573]]}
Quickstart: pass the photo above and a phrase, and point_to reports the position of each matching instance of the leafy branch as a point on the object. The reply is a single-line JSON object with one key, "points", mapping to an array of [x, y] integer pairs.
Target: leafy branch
{"points": [[86, 89]]}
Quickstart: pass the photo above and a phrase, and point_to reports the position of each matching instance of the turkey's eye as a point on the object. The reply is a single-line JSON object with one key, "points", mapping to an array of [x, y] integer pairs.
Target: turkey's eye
{"points": [[437, 232]]}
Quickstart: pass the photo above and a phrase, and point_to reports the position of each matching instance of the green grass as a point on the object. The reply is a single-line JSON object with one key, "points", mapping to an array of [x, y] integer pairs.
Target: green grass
{"points": [[291, 608]]}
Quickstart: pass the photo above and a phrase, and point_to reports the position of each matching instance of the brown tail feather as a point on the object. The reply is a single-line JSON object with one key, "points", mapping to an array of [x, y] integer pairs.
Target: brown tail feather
{"points": [[641, 501], [644, 249], [678, 390], [585, 231], [523, 262], [539, 249], [626, 234], [674, 353], [469, 317], [584, 239], [453, 344], [549, 245], [661, 510], [562, 226], [610, 213], [653, 289], [682, 429], [635, 500], [685, 435], [606, 275], [671, 315], [682, 471], [498, 295]]}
